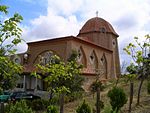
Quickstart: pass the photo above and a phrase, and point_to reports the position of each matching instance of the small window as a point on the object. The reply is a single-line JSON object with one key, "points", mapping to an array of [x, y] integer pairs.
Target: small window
{"points": [[113, 43], [102, 30]]}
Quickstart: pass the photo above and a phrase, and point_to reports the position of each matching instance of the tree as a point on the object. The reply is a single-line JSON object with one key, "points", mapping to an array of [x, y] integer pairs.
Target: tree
{"points": [[59, 76], [140, 55], [131, 69], [10, 36], [117, 98], [97, 87]]}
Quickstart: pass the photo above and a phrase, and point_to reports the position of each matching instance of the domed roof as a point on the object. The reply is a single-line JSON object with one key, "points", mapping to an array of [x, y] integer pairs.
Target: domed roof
{"points": [[97, 24]]}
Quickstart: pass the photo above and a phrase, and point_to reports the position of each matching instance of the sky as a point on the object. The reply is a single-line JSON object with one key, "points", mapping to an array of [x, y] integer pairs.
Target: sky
{"points": [[46, 19]]}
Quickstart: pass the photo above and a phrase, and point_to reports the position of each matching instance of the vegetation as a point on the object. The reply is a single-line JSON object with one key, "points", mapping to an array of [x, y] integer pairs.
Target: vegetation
{"points": [[141, 57], [148, 87], [59, 81], [131, 69], [97, 87], [9, 32], [52, 109], [84, 108], [19, 107], [117, 98]]}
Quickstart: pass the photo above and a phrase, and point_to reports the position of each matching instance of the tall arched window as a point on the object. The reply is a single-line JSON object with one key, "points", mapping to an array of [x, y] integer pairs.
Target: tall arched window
{"points": [[81, 56], [104, 65], [93, 60]]}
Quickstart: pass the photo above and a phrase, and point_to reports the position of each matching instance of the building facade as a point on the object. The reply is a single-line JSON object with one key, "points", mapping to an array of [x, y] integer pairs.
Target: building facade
{"points": [[97, 48]]}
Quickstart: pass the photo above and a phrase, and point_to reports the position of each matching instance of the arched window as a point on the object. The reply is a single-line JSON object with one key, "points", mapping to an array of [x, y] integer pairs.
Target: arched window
{"points": [[81, 56], [44, 58], [93, 60], [104, 65]]}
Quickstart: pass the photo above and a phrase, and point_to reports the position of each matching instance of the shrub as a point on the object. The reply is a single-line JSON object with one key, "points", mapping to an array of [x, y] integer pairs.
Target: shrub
{"points": [[52, 109], [95, 85], [148, 87], [84, 108], [101, 104], [19, 107], [73, 96], [117, 98], [108, 109], [38, 105]]}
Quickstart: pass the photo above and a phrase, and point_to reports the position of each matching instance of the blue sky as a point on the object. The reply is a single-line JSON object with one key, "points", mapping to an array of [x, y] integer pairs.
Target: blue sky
{"points": [[27, 8], [45, 19]]}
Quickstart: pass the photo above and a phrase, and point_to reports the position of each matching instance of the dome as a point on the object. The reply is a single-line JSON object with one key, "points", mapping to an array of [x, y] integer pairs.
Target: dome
{"points": [[97, 25]]}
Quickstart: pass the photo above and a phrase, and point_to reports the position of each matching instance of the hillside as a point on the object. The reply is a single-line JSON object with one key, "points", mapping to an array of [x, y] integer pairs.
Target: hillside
{"points": [[144, 106]]}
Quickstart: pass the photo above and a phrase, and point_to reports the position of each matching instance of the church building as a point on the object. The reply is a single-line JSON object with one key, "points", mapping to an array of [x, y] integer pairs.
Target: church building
{"points": [[97, 47]]}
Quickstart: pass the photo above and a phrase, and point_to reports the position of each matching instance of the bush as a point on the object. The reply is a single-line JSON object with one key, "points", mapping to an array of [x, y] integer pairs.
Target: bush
{"points": [[73, 96], [84, 108], [95, 85], [101, 104], [117, 98], [148, 87], [52, 109], [19, 107], [38, 105]]}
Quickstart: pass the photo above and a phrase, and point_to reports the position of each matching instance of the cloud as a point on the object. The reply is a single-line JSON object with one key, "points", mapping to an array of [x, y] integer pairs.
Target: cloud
{"points": [[129, 18], [127, 22]]}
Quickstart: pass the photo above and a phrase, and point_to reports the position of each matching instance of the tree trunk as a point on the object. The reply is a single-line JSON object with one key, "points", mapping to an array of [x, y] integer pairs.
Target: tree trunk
{"points": [[1, 107], [62, 103], [131, 96], [139, 91], [98, 101]]}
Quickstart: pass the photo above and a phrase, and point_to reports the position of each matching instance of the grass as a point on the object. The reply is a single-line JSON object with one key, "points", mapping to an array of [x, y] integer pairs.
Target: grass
{"points": [[144, 106]]}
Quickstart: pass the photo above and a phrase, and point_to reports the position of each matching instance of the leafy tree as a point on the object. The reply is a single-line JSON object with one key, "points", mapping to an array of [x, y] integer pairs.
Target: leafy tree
{"points": [[117, 98], [97, 87], [10, 37], [141, 57], [59, 76]]}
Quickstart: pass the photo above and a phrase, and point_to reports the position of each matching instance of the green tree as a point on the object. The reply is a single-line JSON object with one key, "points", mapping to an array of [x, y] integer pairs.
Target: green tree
{"points": [[132, 70], [59, 76], [140, 55], [117, 98], [97, 87], [10, 37]]}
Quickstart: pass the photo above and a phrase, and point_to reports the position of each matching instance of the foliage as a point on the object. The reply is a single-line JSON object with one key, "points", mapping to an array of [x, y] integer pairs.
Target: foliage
{"points": [[19, 107], [9, 32], [58, 80], [37, 105], [108, 109], [148, 87], [117, 98], [52, 109], [83, 108], [70, 97], [8, 70], [95, 85], [59, 76], [141, 57], [139, 54], [132, 72]]}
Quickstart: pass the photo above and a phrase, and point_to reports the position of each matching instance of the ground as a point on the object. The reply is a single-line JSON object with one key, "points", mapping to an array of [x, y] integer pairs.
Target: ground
{"points": [[144, 106]]}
